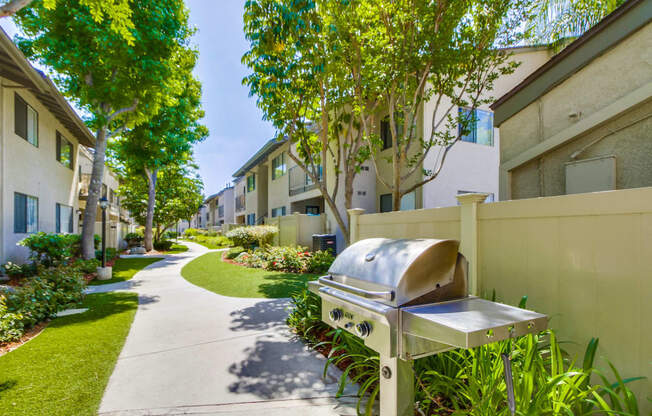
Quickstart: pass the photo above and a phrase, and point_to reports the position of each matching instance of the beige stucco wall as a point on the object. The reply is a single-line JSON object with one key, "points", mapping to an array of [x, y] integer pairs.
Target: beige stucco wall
{"points": [[32, 171], [278, 189], [256, 200], [581, 259], [618, 74]]}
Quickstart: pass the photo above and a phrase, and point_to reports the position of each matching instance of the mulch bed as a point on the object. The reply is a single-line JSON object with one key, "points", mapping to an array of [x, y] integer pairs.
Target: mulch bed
{"points": [[30, 334]]}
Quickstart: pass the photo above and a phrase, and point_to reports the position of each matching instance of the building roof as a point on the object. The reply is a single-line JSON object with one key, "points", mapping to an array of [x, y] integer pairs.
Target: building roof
{"points": [[260, 155], [210, 198], [614, 28], [15, 67]]}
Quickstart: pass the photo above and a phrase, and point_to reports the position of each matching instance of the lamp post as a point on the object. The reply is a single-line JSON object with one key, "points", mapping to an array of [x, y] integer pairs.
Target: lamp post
{"points": [[104, 205], [104, 273]]}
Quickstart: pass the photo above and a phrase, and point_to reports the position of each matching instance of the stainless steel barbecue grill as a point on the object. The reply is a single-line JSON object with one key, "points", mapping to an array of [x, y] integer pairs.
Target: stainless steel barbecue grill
{"points": [[409, 299]]}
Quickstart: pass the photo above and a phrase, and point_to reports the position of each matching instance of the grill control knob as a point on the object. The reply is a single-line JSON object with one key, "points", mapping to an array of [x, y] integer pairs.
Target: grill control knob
{"points": [[336, 314], [363, 329]]}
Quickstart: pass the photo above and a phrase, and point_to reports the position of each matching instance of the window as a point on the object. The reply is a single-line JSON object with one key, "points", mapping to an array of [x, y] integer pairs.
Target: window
{"points": [[251, 182], [220, 211], [409, 201], [479, 128], [278, 212], [278, 166], [64, 219], [104, 191], [25, 213], [386, 203], [251, 219], [64, 151], [111, 196], [385, 133], [312, 209], [25, 120]]}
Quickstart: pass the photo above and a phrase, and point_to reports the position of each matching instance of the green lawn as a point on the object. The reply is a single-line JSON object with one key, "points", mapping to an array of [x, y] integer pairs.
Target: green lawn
{"points": [[211, 273], [125, 269], [65, 369], [211, 243]]}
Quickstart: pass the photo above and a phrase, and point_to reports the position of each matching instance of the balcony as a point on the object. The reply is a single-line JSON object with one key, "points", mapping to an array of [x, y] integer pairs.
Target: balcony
{"points": [[240, 203], [84, 184], [300, 181]]}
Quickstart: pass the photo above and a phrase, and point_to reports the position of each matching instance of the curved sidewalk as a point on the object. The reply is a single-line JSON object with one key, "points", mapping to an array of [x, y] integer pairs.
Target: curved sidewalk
{"points": [[191, 351]]}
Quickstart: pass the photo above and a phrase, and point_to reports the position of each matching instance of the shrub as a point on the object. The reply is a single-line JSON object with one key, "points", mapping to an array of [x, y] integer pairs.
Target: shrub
{"points": [[234, 252], [213, 242], [11, 324], [194, 232], [170, 235], [87, 266], [163, 245], [134, 239], [53, 290], [19, 270], [49, 248], [254, 235], [319, 262]]}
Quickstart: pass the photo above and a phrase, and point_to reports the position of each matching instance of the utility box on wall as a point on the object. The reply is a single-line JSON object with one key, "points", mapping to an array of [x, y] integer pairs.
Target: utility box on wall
{"points": [[591, 175]]}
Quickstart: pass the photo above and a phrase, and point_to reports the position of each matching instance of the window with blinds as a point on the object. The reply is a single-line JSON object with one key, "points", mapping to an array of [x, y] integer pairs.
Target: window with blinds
{"points": [[25, 120], [64, 219], [25, 213]]}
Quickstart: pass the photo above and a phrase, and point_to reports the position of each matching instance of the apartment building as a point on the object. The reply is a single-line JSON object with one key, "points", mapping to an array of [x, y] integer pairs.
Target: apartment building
{"points": [[118, 218], [40, 141], [226, 206], [583, 121]]}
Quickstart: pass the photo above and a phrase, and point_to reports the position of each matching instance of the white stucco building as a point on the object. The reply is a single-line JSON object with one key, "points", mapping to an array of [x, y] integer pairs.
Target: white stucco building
{"points": [[40, 137]]}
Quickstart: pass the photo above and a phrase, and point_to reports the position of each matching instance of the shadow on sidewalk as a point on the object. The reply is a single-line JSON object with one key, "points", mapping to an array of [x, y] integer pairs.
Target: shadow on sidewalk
{"points": [[262, 316]]}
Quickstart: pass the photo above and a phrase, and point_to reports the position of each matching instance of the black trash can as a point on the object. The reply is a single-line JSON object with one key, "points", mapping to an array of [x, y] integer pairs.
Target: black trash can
{"points": [[324, 242]]}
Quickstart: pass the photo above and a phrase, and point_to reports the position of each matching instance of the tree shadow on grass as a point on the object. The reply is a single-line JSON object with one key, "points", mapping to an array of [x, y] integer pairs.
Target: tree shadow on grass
{"points": [[7, 385], [284, 285], [100, 306]]}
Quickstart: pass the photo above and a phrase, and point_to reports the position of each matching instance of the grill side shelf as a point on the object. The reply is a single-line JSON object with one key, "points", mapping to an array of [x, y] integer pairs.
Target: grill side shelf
{"points": [[470, 322]]}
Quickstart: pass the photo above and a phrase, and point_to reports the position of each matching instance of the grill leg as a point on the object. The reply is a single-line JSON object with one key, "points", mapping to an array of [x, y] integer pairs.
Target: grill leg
{"points": [[396, 387]]}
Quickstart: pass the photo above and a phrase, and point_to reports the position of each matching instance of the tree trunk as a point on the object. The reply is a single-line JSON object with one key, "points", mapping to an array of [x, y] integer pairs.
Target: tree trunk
{"points": [[151, 205], [94, 193], [12, 7]]}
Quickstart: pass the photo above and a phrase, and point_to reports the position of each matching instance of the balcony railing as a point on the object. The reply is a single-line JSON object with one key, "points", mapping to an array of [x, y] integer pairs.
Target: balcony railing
{"points": [[240, 204], [300, 181]]}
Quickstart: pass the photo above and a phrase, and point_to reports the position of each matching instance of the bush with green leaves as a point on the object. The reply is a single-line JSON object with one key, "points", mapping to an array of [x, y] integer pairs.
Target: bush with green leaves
{"points": [[19, 270], [134, 239], [192, 232], [41, 297], [234, 252], [250, 236], [291, 259], [215, 242], [11, 323], [163, 245], [170, 235], [472, 382], [87, 266], [49, 249]]}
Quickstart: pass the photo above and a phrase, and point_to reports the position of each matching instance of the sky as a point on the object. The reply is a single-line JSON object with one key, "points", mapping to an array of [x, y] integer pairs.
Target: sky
{"points": [[235, 124]]}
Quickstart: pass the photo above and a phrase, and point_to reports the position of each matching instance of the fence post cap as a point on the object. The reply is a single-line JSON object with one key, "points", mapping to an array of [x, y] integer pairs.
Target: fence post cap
{"points": [[355, 211], [472, 198]]}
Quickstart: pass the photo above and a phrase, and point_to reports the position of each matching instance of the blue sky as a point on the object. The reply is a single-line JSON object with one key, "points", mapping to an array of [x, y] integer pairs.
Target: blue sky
{"points": [[235, 123]]}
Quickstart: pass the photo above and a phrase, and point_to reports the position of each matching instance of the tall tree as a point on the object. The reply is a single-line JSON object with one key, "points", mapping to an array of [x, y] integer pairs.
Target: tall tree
{"points": [[118, 82], [552, 21], [178, 197], [403, 54], [295, 83], [117, 12], [164, 141]]}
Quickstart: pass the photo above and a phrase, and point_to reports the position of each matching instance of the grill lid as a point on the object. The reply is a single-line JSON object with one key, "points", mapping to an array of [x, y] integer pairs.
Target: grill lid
{"points": [[413, 270]]}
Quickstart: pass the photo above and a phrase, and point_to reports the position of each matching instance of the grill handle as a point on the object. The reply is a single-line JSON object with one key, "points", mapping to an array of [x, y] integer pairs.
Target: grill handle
{"points": [[368, 294]]}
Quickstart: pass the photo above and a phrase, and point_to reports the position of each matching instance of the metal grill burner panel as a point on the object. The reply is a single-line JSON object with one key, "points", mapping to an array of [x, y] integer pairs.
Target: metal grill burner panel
{"points": [[408, 299]]}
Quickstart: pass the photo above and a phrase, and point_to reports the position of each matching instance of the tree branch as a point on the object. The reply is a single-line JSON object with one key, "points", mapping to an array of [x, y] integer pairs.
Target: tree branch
{"points": [[13, 7]]}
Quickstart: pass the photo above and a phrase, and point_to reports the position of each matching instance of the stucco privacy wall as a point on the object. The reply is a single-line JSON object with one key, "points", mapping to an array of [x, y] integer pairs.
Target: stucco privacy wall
{"points": [[587, 94], [46, 178], [582, 259], [297, 229]]}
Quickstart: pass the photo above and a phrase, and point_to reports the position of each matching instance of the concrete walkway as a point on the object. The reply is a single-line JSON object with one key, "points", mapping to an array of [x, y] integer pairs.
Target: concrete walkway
{"points": [[190, 351]]}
